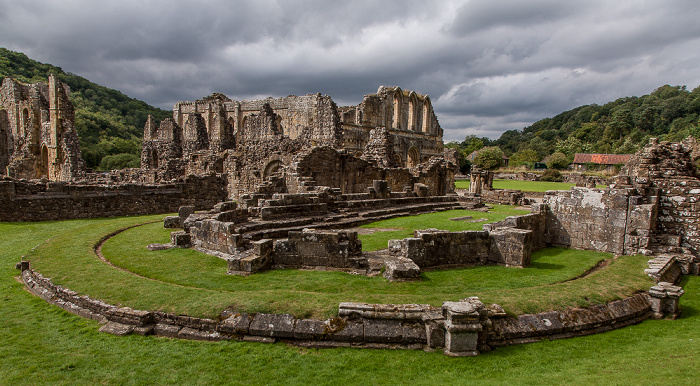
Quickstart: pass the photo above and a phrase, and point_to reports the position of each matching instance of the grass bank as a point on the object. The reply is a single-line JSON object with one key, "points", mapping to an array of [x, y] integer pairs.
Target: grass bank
{"points": [[43, 344]]}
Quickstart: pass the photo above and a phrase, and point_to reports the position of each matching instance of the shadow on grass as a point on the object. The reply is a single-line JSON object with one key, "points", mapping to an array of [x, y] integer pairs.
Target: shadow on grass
{"points": [[550, 266], [688, 312]]}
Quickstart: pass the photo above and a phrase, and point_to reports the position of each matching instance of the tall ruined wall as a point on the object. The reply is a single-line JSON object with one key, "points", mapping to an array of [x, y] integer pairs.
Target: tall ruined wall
{"points": [[409, 118], [41, 201], [37, 130], [597, 219], [254, 141], [670, 169]]}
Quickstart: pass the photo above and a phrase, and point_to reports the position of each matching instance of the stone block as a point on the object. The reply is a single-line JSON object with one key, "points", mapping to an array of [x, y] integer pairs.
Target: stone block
{"points": [[310, 329], [348, 331], [118, 329], [273, 325], [185, 211], [401, 269], [180, 238], [237, 324], [172, 222], [383, 331]]}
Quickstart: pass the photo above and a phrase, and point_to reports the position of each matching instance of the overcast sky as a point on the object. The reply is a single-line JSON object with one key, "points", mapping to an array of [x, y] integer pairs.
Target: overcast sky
{"points": [[488, 65]]}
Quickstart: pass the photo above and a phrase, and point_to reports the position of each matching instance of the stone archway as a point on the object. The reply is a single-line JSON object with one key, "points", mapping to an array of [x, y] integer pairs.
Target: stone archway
{"points": [[42, 169], [273, 167], [413, 157]]}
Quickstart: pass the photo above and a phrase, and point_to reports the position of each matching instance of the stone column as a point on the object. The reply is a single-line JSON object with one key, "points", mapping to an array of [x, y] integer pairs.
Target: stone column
{"points": [[664, 300], [462, 326]]}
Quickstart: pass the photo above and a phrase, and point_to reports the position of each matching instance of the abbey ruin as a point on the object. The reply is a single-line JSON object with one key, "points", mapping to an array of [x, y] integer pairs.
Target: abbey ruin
{"points": [[288, 142], [278, 183], [37, 133]]}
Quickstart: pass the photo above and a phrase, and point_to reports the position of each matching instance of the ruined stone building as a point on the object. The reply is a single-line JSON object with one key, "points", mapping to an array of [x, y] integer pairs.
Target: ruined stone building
{"points": [[287, 144], [37, 134]]}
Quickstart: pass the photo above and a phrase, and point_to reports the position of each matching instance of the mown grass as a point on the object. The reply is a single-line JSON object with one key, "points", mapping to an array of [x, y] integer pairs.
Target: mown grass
{"points": [[42, 344], [188, 282], [439, 220], [525, 186]]}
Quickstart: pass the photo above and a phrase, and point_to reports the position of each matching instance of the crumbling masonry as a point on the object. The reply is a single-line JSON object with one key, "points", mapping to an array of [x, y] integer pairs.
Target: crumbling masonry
{"points": [[285, 145], [37, 136]]}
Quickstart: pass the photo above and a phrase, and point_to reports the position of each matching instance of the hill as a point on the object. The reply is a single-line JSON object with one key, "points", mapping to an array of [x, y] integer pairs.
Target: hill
{"points": [[619, 127], [109, 123], [624, 126]]}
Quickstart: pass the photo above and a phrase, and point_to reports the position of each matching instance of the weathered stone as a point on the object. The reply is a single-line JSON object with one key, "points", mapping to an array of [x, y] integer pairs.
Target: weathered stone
{"points": [[118, 329], [273, 325], [172, 222]]}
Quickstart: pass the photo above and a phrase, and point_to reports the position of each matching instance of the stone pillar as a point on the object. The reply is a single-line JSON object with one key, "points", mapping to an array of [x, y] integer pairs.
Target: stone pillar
{"points": [[462, 326], [664, 300], [480, 180]]}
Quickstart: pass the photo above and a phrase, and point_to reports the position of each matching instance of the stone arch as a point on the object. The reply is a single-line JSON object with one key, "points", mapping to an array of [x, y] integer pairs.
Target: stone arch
{"points": [[273, 167], [413, 157], [42, 169], [398, 160], [426, 115], [413, 114], [154, 158], [398, 96], [25, 120]]}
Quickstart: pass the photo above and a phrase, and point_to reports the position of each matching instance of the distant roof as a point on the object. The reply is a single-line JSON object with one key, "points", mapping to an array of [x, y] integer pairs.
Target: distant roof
{"points": [[601, 159]]}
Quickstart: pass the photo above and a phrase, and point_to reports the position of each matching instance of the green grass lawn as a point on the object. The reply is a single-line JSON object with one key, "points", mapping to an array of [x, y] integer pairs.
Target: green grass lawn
{"points": [[527, 186], [42, 344], [439, 220]]}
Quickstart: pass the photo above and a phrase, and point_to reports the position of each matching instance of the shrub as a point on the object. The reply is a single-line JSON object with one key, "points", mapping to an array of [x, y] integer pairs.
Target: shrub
{"points": [[552, 175], [558, 161], [489, 158]]}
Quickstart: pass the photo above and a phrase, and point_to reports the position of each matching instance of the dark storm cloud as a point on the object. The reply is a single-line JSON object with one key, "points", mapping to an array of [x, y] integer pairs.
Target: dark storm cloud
{"points": [[488, 65]]}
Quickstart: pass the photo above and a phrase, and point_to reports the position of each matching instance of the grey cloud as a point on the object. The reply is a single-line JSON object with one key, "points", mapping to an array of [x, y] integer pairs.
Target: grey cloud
{"points": [[489, 66]]}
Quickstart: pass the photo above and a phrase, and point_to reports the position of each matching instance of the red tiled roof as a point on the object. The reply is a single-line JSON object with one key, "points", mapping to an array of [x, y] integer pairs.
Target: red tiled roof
{"points": [[601, 159]]}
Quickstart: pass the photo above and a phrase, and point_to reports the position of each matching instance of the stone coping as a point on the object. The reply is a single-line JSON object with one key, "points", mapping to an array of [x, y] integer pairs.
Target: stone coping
{"points": [[362, 325]]}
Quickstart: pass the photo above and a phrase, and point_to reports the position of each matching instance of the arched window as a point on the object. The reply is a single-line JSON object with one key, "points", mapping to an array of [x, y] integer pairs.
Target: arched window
{"points": [[413, 157]]}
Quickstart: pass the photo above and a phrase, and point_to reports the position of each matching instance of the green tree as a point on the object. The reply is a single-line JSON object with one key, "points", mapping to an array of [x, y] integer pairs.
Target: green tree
{"points": [[558, 160], [525, 157], [489, 158]]}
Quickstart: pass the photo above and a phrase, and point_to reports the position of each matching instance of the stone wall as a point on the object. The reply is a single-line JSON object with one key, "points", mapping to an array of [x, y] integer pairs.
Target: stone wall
{"points": [[41, 200], [503, 245], [668, 170], [618, 221], [319, 248], [254, 141], [462, 328]]}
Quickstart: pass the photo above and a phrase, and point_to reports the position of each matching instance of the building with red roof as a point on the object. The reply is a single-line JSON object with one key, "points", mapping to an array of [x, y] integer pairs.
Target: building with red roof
{"points": [[608, 160]]}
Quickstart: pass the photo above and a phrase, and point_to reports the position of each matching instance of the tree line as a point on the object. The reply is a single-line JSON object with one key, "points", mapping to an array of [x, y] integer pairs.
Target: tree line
{"points": [[623, 126]]}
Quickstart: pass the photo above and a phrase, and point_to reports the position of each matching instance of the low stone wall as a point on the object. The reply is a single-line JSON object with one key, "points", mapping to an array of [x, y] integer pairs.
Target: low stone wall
{"points": [[502, 196], [509, 242], [22, 200], [565, 324], [334, 249], [463, 328]]}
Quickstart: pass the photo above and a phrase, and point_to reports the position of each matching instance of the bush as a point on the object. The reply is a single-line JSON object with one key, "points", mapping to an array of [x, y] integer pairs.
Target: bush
{"points": [[552, 175], [119, 161], [558, 161], [489, 158]]}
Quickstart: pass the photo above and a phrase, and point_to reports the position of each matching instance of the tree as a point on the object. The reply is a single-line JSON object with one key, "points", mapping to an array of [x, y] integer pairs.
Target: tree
{"points": [[558, 160], [489, 158], [525, 157], [472, 143]]}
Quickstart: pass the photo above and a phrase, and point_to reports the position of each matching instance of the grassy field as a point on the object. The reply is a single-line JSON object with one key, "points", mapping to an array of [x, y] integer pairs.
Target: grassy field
{"points": [[42, 344], [527, 186]]}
